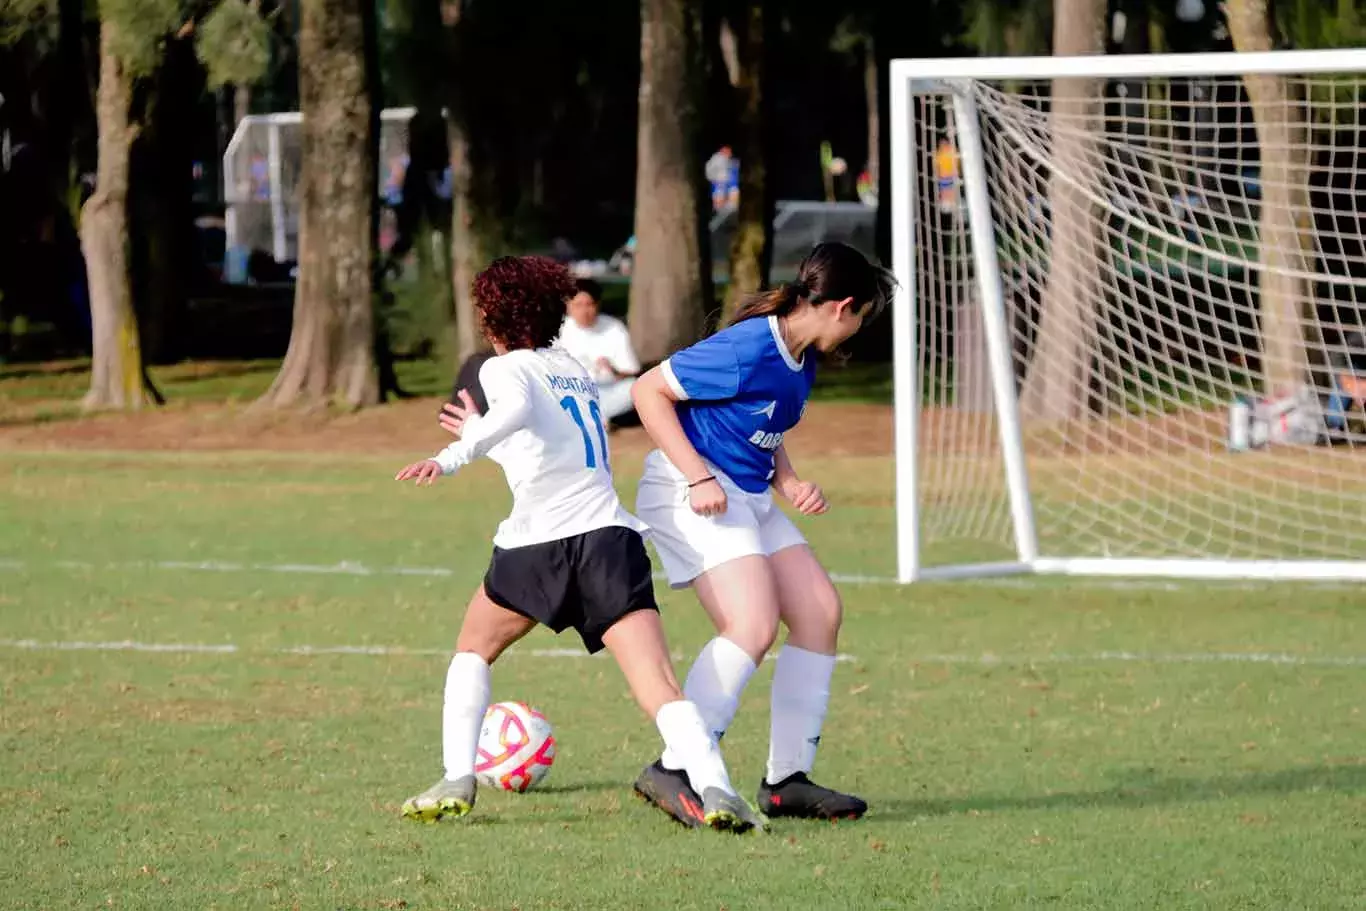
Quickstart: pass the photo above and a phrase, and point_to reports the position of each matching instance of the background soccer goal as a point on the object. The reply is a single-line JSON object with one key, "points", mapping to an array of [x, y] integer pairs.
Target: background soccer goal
{"points": [[261, 177], [1129, 334]]}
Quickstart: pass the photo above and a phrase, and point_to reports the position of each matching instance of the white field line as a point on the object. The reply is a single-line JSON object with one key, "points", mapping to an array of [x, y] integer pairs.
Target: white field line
{"points": [[343, 568], [353, 568], [1270, 658], [202, 648], [1279, 659]]}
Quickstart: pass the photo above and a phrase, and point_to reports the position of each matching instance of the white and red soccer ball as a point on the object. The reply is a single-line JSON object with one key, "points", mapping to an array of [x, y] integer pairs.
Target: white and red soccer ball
{"points": [[516, 747]]}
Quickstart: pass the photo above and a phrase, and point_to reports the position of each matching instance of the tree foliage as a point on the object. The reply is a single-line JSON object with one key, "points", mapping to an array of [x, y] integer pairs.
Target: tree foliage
{"points": [[233, 43], [143, 27], [22, 17]]}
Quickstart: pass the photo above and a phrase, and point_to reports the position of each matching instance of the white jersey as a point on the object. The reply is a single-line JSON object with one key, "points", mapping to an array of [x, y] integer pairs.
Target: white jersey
{"points": [[607, 338], [544, 426]]}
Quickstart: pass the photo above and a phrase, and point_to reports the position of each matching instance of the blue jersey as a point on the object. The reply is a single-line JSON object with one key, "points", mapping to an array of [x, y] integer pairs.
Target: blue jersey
{"points": [[739, 392]]}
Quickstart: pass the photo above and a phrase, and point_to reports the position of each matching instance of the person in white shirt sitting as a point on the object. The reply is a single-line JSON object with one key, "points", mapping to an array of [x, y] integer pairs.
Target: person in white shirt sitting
{"points": [[603, 345]]}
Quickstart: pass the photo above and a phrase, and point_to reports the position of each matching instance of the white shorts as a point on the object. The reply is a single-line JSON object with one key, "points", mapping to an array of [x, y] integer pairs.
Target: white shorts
{"points": [[690, 545]]}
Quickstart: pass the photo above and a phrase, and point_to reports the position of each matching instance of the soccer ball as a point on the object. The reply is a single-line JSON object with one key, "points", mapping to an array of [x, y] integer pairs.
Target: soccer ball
{"points": [[516, 747]]}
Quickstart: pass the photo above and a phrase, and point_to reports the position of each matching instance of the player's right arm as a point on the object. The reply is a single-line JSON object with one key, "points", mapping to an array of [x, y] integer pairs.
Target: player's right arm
{"points": [[708, 371]]}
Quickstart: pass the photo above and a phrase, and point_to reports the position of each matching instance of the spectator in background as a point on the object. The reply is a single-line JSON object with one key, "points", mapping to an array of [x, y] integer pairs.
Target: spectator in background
{"points": [[602, 344], [723, 173]]}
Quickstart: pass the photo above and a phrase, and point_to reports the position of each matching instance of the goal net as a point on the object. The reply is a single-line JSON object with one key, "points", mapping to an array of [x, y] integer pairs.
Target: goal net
{"points": [[261, 172], [1131, 337]]}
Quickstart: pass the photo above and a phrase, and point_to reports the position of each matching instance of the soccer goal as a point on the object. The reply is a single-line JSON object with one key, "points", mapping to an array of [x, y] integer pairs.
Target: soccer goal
{"points": [[261, 171], [1129, 337]]}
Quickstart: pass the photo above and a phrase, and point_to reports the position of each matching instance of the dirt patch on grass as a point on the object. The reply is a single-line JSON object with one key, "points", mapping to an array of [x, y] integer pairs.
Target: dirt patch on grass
{"points": [[407, 427]]}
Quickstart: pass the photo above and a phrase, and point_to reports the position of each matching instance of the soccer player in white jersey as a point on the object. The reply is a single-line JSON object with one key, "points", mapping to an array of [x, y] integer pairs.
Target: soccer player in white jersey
{"points": [[569, 555], [718, 412]]}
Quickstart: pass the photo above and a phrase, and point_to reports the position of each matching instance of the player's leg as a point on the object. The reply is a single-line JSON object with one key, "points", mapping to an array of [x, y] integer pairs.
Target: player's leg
{"points": [[637, 643], [617, 609], [485, 633], [741, 599], [812, 611], [722, 559]]}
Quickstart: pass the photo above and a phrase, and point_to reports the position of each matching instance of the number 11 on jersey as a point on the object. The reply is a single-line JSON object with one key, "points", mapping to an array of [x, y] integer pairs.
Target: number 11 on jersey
{"points": [[570, 404]]}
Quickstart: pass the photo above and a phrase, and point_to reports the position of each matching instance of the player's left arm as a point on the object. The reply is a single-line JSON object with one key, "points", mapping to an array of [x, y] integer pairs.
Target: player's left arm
{"points": [[621, 360], [805, 497], [625, 363]]}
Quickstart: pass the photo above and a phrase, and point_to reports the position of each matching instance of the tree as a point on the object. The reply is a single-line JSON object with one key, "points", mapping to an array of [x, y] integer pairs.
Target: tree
{"points": [[132, 41], [751, 250], [132, 37], [467, 247], [671, 287], [117, 377], [1057, 385], [331, 346], [1285, 228]]}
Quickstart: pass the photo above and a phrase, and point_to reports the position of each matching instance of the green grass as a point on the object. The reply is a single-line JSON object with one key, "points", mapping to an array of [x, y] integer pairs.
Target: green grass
{"points": [[191, 381], [53, 391], [1052, 777]]}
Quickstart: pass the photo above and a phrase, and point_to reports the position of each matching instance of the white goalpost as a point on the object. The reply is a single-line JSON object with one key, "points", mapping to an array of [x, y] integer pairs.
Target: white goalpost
{"points": [[261, 170], [1130, 335]]}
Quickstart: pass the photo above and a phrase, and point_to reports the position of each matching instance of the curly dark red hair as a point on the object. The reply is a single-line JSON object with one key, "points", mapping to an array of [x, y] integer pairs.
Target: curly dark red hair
{"points": [[521, 300]]}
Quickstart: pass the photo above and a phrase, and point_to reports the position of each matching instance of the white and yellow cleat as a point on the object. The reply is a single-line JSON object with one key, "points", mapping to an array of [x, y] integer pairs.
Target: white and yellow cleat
{"points": [[729, 812], [445, 798]]}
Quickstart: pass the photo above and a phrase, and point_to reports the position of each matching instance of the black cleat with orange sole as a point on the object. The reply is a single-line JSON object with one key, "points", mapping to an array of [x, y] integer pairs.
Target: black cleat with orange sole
{"points": [[798, 797], [670, 791]]}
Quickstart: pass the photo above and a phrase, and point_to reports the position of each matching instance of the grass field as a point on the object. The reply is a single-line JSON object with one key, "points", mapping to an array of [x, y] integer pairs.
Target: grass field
{"points": [[1023, 744]]}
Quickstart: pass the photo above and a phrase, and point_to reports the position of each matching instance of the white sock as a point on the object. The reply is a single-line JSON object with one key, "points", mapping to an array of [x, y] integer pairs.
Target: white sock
{"points": [[801, 692], [462, 715], [714, 684], [687, 737]]}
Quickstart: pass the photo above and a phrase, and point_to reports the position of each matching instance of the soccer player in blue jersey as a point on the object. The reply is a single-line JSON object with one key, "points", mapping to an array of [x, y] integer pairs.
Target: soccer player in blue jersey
{"points": [[718, 412]]}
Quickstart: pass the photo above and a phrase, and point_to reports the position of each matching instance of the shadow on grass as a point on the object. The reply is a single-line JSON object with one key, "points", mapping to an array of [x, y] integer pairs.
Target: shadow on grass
{"points": [[43, 416], [192, 372], [36, 371], [1142, 791]]}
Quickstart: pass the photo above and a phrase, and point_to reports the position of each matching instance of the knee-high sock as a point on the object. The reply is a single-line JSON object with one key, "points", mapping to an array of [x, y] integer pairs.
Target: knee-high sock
{"points": [[714, 684], [462, 715], [801, 693], [687, 737]]}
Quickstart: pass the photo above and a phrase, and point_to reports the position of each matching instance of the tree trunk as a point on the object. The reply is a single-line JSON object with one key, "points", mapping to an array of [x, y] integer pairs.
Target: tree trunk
{"points": [[331, 346], [751, 250], [467, 247], [117, 379], [241, 104], [466, 253], [1057, 386], [671, 287], [1285, 230]]}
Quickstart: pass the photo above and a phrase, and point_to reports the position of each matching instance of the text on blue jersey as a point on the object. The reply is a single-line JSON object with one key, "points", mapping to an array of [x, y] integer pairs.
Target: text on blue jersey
{"points": [[740, 391]]}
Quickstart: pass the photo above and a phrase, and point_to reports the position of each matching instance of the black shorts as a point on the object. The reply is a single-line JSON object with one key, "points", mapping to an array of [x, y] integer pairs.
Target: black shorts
{"points": [[587, 582]]}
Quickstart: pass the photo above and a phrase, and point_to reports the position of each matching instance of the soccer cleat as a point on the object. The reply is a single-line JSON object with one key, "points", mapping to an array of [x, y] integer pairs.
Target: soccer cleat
{"points": [[670, 791], [727, 812], [798, 797], [445, 798]]}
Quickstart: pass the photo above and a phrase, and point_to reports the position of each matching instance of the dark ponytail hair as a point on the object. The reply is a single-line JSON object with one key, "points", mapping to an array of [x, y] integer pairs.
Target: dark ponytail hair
{"points": [[830, 272]]}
